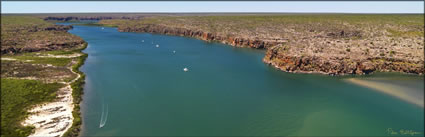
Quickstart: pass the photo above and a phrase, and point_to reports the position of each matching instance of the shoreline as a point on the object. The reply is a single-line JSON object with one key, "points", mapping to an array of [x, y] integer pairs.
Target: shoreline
{"points": [[287, 62], [77, 93], [53, 118], [337, 50], [362, 68], [62, 116]]}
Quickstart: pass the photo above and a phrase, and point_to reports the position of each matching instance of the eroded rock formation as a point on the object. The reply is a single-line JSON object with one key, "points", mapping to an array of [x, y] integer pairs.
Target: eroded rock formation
{"points": [[335, 53], [207, 36]]}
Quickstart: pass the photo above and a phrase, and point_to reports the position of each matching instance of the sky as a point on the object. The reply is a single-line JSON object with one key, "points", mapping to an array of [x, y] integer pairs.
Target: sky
{"points": [[212, 6]]}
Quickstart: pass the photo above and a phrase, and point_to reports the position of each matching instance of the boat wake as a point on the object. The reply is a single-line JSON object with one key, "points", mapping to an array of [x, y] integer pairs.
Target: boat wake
{"points": [[104, 116]]}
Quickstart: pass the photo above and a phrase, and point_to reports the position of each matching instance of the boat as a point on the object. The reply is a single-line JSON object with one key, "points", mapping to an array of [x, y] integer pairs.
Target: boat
{"points": [[104, 116], [185, 69]]}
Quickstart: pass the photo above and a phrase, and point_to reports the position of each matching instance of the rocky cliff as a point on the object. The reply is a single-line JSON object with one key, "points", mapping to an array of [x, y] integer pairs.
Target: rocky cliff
{"points": [[207, 36], [76, 18], [30, 34], [279, 57], [327, 44], [97, 16]]}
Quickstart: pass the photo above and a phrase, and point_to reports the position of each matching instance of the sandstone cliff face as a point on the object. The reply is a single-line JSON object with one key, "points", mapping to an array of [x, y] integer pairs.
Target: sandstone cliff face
{"points": [[38, 38], [41, 47], [92, 17], [57, 28], [280, 58], [327, 44], [331, 63], [207, 36], [76, 18]]}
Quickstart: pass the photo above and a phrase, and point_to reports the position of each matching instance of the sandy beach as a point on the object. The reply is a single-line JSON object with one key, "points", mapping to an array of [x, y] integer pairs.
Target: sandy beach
{"points": [[62, 56], [9, 59], [54, 118]]}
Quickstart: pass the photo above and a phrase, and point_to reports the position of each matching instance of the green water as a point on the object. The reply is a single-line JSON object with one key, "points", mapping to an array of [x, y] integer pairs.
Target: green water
{"points": [[142, 90]]}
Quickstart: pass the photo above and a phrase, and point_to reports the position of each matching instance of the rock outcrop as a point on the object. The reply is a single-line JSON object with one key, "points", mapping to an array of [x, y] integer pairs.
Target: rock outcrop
{"points": [[18, 38], [279, 58], [71, 18], [207, 36], [331, 63], [328, 44], [40, 47], [78, 17]]}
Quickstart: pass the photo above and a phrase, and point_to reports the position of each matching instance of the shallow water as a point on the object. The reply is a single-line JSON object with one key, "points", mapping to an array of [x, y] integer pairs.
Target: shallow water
{"points": [[227, 91]]}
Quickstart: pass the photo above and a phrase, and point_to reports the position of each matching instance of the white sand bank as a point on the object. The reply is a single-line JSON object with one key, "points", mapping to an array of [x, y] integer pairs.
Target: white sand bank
{"points": [[11, 59], [61, 56], [53, 118], [397, 91]]}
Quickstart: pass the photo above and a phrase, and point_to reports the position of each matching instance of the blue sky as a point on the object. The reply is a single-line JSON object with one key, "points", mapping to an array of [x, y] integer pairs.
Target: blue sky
{"points": [[217, 6]]}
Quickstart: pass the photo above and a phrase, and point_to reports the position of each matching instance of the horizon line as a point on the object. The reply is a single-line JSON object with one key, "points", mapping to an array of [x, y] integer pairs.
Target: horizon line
{"points": [[216, 13]]}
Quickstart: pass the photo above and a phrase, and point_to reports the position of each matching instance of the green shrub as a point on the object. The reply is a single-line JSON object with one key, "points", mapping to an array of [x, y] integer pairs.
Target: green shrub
{"points": [[77, 92], [17, 96]]}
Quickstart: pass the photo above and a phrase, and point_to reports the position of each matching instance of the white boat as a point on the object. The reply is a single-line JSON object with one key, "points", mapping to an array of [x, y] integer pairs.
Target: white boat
{"points": [[157, 46], [185, 69], [174, 51], [103, 28], [143, 40]]}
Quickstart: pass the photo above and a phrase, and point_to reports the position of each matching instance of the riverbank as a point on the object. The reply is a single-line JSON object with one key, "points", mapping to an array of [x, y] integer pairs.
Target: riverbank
{"points": [[77, 93], [39, 53], [55, 117], [334, 44], [61, 117]]}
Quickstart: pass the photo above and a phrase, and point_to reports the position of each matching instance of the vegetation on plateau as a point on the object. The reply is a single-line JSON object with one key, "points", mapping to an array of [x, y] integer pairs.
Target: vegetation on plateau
{"points": [[28, 34], [279, 25]]}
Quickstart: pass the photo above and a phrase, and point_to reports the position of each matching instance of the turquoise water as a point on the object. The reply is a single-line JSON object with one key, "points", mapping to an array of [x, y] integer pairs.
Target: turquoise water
{"points": [[137, 89]]}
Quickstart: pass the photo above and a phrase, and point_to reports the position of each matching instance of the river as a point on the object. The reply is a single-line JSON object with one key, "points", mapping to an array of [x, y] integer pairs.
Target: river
{"points": [[136, 88]]}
